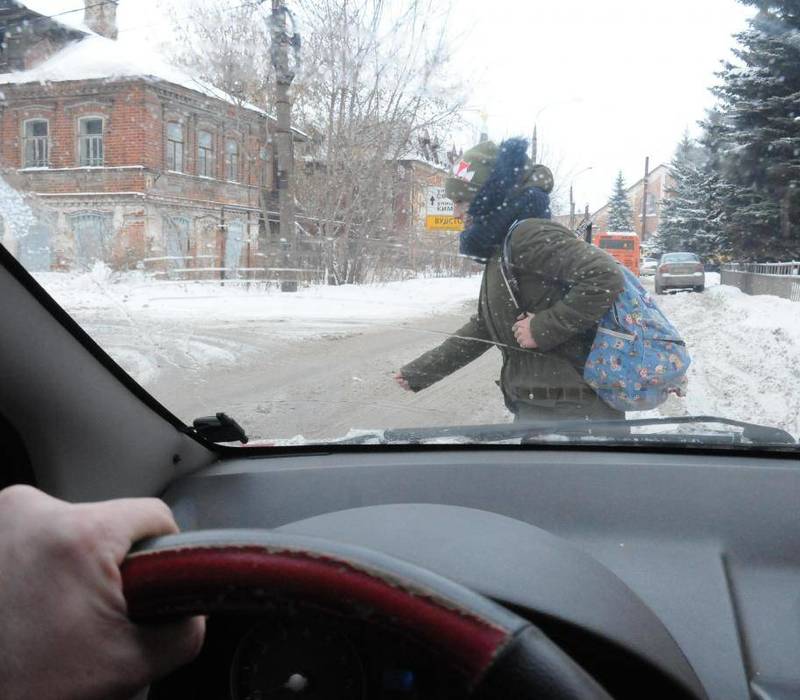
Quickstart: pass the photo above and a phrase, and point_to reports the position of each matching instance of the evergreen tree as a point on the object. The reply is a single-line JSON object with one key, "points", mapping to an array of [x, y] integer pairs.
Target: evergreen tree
{"points": [[754, 137], [620, 214], [689, 218]]}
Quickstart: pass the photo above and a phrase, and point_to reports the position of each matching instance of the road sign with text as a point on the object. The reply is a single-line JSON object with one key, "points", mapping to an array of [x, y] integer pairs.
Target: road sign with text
{"points": [[439, 212]]}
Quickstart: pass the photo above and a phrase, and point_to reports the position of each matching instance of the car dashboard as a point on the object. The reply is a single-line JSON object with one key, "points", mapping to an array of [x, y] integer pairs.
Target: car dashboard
{"points": [[663, 575]]}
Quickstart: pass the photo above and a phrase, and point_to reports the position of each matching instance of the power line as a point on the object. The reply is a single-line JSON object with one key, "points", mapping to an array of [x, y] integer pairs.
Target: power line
{"points": [[40, 18], [24, 22]]}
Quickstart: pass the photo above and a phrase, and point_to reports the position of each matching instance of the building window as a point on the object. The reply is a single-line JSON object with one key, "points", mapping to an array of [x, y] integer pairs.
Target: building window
{"points": [[176, 235], [93, 235], [232, 160], [36, 149], [205, 154], [90, 141], [175, 147]]}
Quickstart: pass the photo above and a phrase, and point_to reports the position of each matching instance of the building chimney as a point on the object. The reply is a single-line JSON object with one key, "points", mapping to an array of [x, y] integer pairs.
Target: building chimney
{"points": [[101, 17]]}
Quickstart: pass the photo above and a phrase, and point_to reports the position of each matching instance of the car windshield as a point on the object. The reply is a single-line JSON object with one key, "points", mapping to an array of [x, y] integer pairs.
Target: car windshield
{"points": [[679, 257], [383, 221]]}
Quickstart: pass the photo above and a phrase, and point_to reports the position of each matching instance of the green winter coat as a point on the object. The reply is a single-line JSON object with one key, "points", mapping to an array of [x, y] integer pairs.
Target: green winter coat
{"points": [[568, 284]]}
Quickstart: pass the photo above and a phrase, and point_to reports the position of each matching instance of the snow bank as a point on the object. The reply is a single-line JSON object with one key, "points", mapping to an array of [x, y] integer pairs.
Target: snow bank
{"points": [[148, 325], [100, 294], [745, 355]]}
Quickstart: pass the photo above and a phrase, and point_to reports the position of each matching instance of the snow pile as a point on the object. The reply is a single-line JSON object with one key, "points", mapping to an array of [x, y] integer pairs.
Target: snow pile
{"points": [[148, 325], [100, 294], [745, 352]]}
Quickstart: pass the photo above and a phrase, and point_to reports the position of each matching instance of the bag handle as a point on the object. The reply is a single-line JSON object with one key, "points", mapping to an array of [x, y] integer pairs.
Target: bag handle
{"points": [[509, 278]]}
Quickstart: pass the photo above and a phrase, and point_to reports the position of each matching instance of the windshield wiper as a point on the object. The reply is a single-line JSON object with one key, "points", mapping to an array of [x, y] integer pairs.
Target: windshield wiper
{"points": [[583, 430]]}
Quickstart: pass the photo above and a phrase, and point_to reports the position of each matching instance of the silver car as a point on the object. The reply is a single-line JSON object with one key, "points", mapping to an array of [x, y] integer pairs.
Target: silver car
{"points": [[680, 271], [647, 267]]}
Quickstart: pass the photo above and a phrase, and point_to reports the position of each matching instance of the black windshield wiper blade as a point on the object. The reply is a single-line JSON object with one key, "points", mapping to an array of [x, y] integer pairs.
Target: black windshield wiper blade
{"points": [[609, 429]]}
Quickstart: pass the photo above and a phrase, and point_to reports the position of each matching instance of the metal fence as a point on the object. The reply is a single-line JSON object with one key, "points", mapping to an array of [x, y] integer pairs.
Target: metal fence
{"points": [[779, 279]]}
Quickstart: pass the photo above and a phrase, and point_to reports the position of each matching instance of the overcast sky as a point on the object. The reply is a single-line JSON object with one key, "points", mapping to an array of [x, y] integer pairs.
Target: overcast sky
{"points": [[612, 81]]}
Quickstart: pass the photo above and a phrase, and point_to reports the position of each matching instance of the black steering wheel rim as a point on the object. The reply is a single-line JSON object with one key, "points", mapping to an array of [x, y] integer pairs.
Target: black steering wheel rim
{"points": [[496, 652]]}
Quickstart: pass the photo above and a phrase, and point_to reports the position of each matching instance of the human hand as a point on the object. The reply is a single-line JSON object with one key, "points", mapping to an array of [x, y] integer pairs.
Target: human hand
{"points": [[522, 331], [401, 380], [64, 628]]}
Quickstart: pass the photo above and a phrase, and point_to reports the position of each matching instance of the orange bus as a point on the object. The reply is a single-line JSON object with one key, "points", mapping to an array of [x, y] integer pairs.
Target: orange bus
{"points": [[622, 245]]}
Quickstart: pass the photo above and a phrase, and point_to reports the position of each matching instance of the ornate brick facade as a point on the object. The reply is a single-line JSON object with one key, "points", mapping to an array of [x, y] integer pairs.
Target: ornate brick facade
{"points": [[135, 171]]}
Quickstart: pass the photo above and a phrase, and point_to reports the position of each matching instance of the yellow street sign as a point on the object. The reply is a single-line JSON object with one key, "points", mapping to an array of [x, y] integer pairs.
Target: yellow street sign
{"points": [[439, 212], [443, 222]]}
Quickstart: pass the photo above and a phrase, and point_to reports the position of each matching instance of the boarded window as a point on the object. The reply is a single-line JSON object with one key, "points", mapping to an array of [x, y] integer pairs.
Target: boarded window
{"points": [[93, 238], [176, 240], [90, 141], [36, 146], [175, 146]]}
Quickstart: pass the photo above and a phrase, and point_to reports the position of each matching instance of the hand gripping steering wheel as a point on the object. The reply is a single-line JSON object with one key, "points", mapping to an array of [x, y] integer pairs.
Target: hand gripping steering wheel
{"points": [[497, 653]]}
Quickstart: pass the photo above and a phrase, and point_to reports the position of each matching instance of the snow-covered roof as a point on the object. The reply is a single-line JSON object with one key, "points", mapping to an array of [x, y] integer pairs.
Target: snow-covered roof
{"points": [[96, 57], [621, 233], [62, 11]]}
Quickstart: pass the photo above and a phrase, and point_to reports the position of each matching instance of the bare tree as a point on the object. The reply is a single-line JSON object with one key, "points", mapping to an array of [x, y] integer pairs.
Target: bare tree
{"points": [[373, 83]]}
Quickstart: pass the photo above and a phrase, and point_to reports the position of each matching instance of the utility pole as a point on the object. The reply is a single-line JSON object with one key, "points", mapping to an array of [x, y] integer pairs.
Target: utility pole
{"points": [[571, 210], [644, 198], [534, 145], [282, 139]]}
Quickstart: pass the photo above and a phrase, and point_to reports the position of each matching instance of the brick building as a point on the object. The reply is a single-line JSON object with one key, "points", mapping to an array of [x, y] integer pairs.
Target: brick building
{"points": [[133, 161], [659, 182]]}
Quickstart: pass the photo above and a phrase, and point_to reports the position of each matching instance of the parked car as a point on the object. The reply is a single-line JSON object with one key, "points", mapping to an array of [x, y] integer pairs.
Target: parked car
{"points": [[648, 267], [680, 271]]}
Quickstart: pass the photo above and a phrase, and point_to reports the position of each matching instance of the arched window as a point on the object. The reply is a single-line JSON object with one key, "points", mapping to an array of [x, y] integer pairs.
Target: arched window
{"points": [[35, 143], [93, 237], [176, 239]]}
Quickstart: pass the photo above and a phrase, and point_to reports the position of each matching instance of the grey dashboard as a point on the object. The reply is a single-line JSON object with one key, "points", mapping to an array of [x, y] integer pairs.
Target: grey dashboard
{"points": [[690, 562]]}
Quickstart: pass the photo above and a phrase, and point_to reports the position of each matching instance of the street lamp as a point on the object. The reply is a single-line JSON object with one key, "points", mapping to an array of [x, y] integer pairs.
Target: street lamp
{"points": [[571, 200]]}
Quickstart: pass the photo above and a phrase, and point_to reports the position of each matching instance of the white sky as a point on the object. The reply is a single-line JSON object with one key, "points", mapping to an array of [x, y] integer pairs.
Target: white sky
{"points": [[616, 80], [612, 81]]}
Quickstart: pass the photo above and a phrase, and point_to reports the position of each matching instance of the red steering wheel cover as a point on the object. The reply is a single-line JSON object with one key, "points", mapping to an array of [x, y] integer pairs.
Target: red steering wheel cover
{"points": [[206, 578]]}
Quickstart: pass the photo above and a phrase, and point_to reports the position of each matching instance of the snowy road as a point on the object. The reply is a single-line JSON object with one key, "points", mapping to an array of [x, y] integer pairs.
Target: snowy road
{"points": [[320, 363]]}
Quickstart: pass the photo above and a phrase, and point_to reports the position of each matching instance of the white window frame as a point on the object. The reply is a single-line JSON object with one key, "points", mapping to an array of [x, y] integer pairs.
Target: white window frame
{"points": [[80, 138], [46, 161]]}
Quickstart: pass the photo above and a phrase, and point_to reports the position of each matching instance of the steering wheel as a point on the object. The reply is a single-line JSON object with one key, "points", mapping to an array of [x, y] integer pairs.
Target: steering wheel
{"points": [[497, 653]]}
